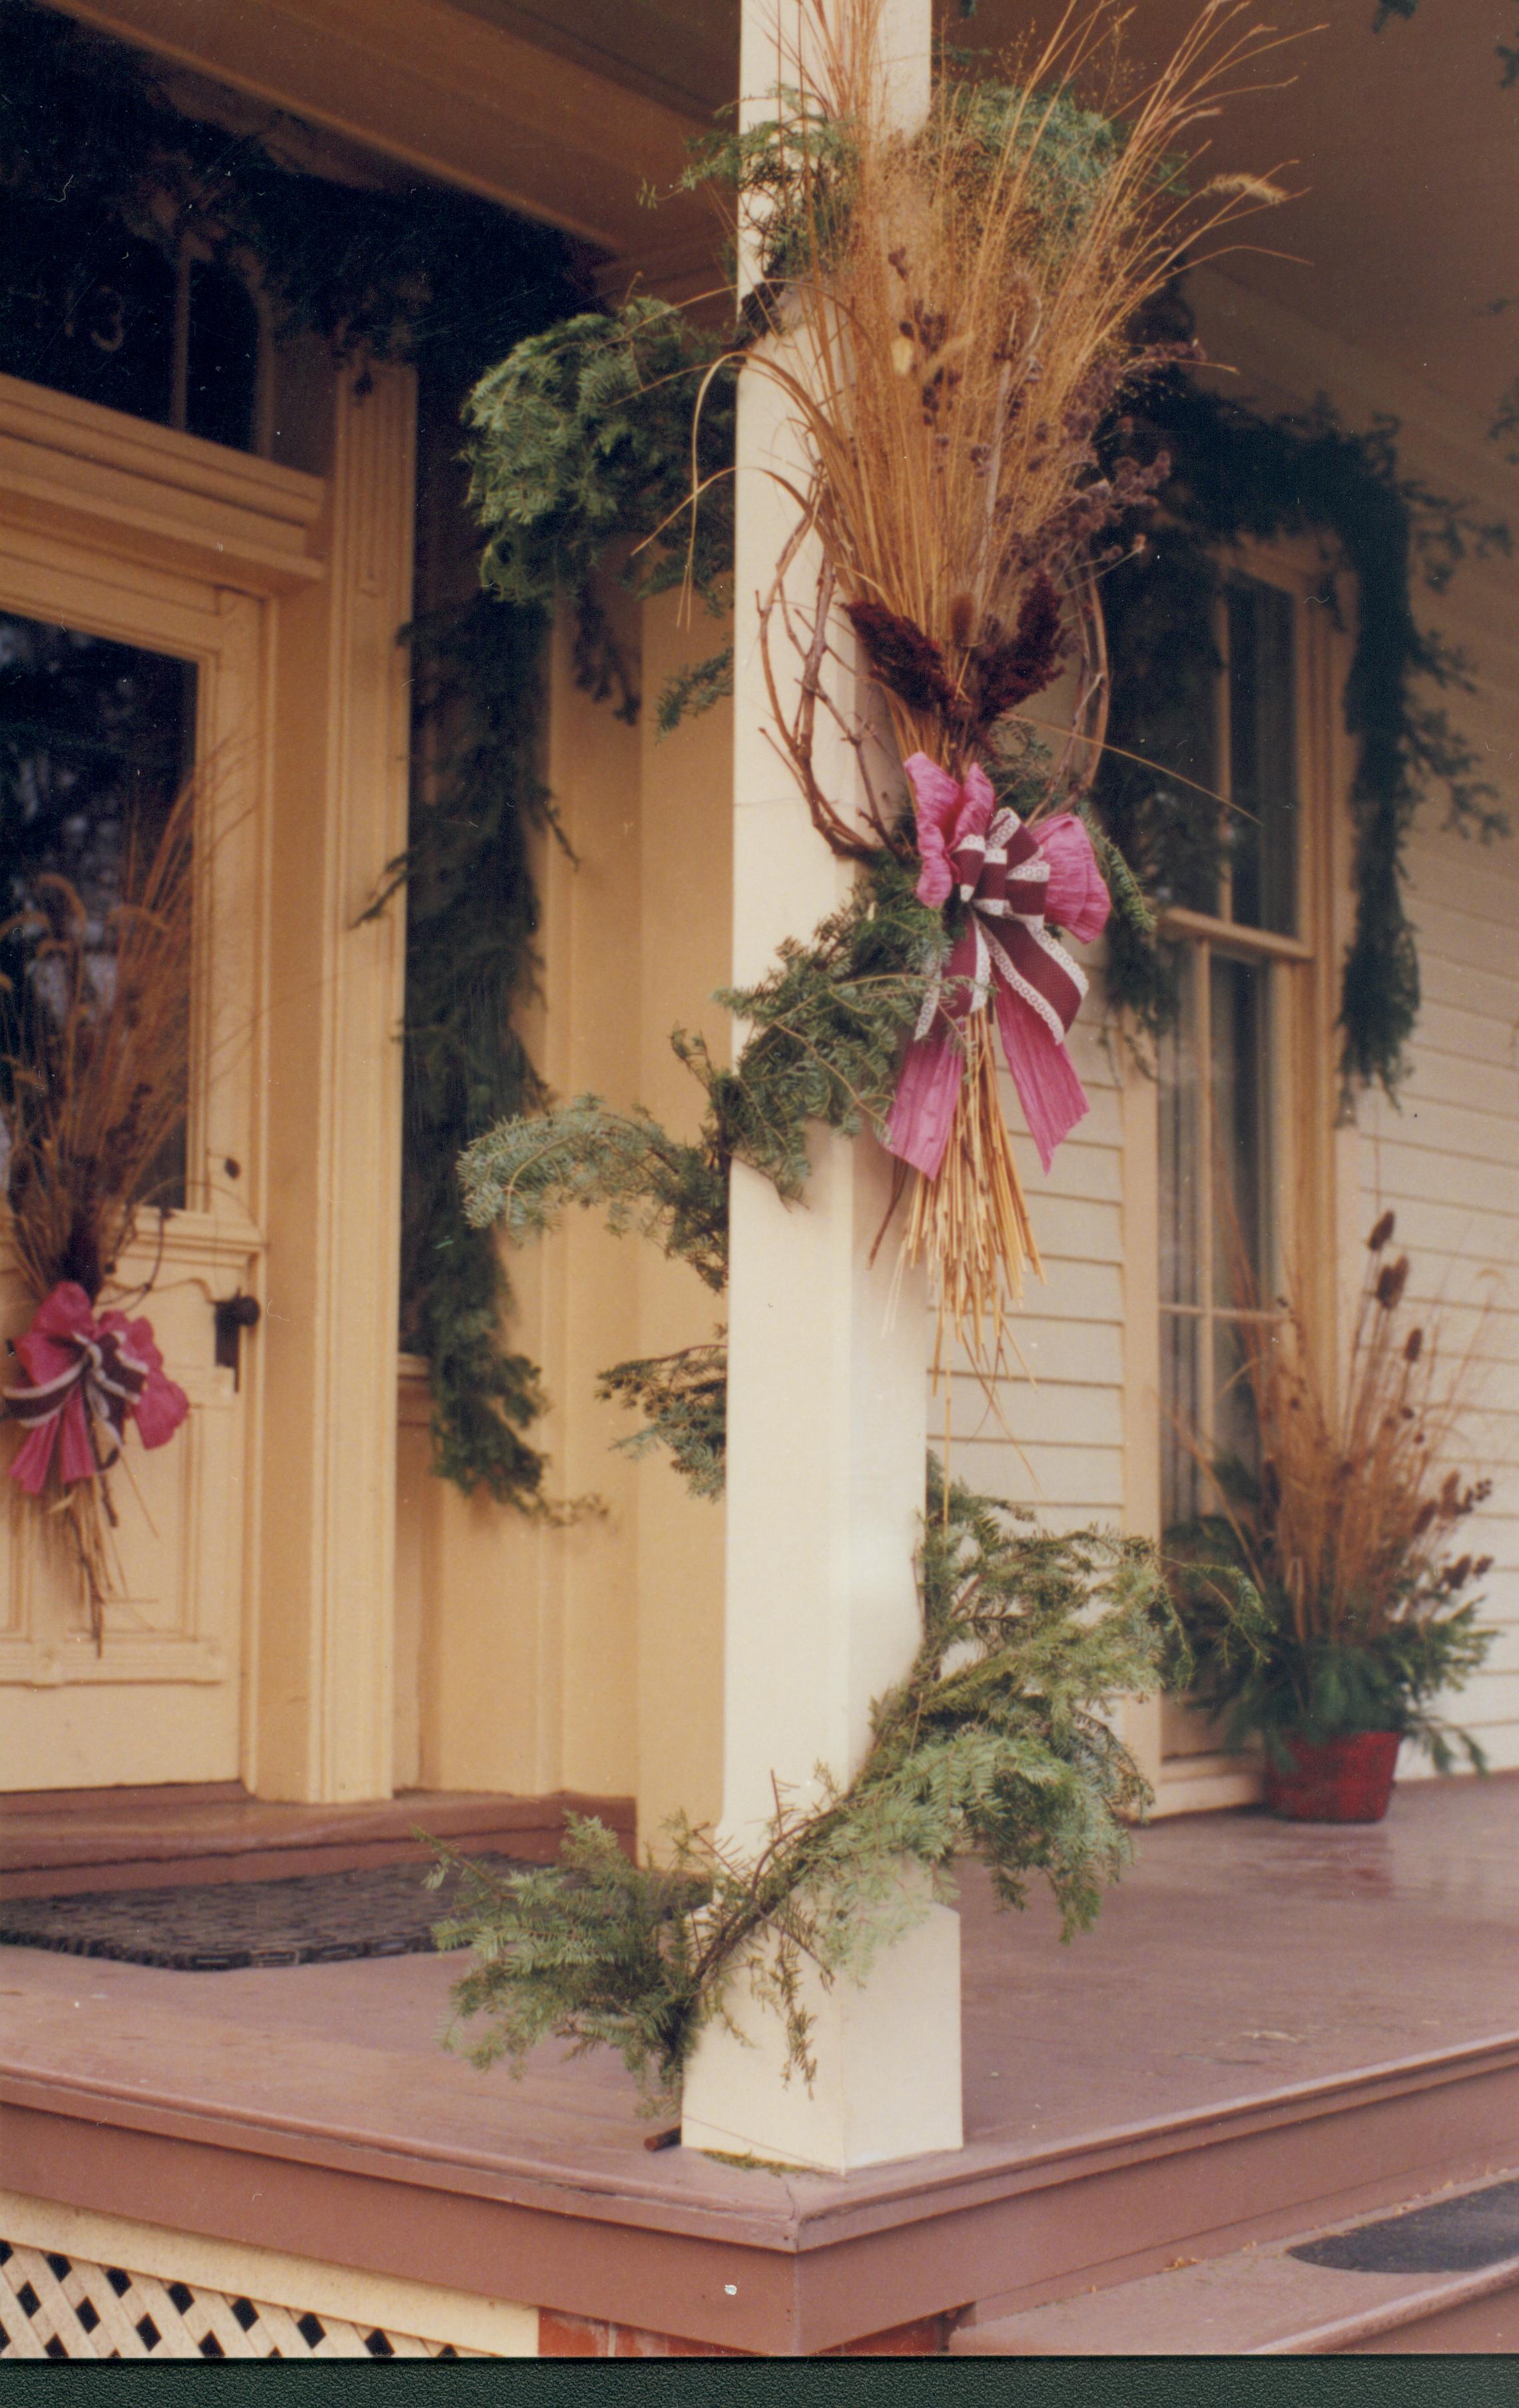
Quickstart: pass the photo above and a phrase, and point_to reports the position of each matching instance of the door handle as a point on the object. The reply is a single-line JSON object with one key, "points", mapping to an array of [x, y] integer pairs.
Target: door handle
{"points": [[233, 1314]]}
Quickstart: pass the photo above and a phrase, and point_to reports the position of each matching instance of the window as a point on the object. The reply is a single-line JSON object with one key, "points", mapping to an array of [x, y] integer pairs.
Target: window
{"points": [[1233, 1066], [112, 318]]}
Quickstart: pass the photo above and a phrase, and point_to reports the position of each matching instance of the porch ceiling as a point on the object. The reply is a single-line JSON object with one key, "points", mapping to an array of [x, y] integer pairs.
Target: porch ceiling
{"points": [[1406, 153]]}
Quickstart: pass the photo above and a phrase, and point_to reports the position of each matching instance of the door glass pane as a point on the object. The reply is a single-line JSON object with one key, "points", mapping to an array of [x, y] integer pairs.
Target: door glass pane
{"points": [[96, 739], [1263, 774], [1240, 1087]]}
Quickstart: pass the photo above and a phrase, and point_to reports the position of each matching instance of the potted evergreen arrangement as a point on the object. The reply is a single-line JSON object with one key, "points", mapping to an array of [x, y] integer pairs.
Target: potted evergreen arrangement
{"points": [[1324, 1600]]}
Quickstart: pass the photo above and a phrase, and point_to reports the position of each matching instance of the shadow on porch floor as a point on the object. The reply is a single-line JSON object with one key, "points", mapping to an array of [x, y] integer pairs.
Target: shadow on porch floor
{"points": [[1271, 2025]]}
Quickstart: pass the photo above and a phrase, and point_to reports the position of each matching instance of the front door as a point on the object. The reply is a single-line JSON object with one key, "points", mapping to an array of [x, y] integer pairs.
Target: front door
{"points": [[120, 683]]}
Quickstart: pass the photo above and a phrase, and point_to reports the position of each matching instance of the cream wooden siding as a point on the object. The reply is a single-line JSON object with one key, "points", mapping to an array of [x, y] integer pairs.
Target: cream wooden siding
{"points": [[1448, 1164], [1061, 1450]]}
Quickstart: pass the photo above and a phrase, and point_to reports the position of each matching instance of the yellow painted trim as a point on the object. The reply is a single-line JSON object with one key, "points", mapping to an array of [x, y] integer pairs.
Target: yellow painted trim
{"points": [[78, 473], [500, 2327]]}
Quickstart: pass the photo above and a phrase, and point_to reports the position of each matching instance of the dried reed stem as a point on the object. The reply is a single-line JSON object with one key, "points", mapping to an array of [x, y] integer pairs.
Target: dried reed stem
{"points": [[970, 1225], [1358, 1490], [96, 1058]]}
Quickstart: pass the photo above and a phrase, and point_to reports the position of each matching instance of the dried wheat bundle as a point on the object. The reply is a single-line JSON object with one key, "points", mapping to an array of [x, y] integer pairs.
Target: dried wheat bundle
{"points": [[95, 1056], [953, 310]]}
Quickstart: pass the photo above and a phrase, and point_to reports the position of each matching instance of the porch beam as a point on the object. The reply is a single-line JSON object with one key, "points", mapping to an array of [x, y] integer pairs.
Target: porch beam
{"points": [[457, 98]]}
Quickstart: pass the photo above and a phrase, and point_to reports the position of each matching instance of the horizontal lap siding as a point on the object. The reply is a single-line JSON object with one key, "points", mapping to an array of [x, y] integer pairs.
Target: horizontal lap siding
{"points": [[1053, 1440], [1448, 1163]]}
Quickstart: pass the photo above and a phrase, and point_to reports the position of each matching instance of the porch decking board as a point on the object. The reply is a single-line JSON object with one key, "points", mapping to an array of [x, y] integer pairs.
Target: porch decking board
{"points": [[1270, 2027], [145, 1839]]}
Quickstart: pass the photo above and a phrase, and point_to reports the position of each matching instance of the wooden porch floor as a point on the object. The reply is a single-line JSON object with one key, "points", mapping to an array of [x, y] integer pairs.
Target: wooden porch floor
{"points": [[1270, 2027], [54, 1843]]}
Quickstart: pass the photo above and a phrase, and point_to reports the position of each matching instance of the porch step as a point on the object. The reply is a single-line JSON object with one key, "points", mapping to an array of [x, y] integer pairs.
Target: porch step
{"points": [[1276, 2302], [56, 1846]]}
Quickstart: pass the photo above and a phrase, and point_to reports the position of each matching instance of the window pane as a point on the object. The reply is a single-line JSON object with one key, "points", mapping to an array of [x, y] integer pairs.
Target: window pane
{"points": [[96, 739], [1263, 772], [1180, 1197], [221, 356], [1236, 1433], [1239, 998], [87, 309], [1163, 648], [1180, 1417]]}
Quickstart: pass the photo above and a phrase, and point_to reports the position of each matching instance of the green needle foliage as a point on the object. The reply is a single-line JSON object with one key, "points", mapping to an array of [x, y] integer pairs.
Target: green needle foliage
{"points": [[471, 918], [994, 1745], [587, 442], [685, 1401]]}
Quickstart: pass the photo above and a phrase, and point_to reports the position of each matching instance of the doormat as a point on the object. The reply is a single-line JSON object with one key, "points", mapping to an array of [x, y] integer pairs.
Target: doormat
{"points": [[225, 1927], [1456, 2236]]}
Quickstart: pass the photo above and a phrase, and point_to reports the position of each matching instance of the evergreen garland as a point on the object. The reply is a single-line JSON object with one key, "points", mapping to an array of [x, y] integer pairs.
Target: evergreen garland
{"points": [[1236, 475], [994, 1744], [471, 919], [587, 442]]}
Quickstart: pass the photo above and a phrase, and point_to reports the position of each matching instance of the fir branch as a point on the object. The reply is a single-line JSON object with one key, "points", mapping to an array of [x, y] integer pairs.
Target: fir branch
{"points": [[683, 1398], [994, 1745], [585, 441], [690, 690]]}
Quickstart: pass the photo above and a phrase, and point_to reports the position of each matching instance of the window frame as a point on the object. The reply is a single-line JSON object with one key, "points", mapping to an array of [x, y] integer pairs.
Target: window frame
{"points": [[1314, 1170]]}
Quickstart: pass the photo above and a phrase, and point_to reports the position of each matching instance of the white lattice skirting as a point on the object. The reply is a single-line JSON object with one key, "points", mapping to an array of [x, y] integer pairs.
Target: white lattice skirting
{"points": [[54, 2306]]}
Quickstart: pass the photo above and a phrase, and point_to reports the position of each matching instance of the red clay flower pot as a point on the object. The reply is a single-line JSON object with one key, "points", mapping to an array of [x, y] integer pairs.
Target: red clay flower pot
{"points": [[1347, 1780]]}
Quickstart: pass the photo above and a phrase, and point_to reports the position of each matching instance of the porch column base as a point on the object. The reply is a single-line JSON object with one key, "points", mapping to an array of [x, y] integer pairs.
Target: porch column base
{"points": [[888, 2065]]}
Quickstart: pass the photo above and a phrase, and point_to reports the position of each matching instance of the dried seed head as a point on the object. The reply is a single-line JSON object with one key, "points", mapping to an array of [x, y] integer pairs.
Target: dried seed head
{"points": [[1413, 1346], [1383, 1231], [961, 618], [1391, 1282]]}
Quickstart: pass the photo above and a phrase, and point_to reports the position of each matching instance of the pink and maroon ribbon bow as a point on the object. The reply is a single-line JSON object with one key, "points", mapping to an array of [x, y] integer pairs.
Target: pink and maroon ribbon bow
{"points": [[1014, 884], [81, 1370]]}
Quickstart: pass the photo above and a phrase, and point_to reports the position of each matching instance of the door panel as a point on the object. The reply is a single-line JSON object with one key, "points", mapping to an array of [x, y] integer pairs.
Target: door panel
{"points": [[160, 1700]]}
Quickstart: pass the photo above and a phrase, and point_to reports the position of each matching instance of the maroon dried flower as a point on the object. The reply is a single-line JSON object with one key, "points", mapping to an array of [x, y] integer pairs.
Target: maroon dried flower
{"points": [[1413, 1346], [1383, 1231], [1029, 661], [903, 657]]}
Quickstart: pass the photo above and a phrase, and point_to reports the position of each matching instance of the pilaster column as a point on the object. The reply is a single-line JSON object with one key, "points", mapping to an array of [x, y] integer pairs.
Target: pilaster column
{"points": [[325, 1578], [827, 1402]]}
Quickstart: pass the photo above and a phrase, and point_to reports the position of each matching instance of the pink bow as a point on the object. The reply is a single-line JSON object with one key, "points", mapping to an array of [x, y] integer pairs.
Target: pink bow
{"points": [[1013, 885], [80, 1369]]}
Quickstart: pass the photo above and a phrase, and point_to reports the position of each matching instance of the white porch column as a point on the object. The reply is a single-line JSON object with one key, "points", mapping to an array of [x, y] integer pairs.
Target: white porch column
{"points": [[827, 1412]]}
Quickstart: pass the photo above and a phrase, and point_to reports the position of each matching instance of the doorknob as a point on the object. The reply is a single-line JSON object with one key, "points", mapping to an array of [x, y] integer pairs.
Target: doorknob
{"points": [[232, 1315]]}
